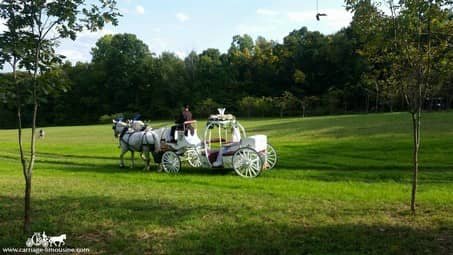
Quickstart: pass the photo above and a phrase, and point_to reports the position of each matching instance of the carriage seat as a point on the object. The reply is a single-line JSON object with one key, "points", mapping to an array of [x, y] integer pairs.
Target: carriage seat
{"points": [[256, 142], [212, 155]]}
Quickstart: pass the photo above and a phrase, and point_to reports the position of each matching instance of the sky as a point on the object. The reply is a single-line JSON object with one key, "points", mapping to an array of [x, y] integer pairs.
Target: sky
{"points": [[181, 26]]}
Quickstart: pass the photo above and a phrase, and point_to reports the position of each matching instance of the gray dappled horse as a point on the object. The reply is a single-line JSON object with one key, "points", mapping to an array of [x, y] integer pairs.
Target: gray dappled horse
{"points": [[140, 141]]}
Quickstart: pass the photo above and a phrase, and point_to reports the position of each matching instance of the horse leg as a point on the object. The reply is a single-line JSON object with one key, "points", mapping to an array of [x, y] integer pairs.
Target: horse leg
{"points": [[122, 158], [146, 159], [132, 160]]}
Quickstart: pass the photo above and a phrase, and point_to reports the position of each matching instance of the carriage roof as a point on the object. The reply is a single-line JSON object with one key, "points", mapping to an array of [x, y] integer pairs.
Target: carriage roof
{"points": [[222, 120]]}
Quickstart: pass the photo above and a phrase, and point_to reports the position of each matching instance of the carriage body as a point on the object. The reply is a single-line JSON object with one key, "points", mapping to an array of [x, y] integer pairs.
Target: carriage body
{"points": [[248, 156]]}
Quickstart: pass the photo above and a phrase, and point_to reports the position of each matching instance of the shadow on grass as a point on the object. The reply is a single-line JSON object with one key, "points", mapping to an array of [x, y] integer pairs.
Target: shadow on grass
{"points": [[265, 238], [71, 156], [157, 226], [307, 171], [345, 161]]}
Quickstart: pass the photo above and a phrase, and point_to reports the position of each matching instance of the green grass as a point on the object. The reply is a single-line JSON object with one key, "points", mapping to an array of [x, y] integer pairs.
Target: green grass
{"points": [[342, 186]]}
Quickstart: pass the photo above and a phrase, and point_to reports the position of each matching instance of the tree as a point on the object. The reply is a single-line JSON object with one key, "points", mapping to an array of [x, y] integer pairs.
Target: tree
{"points": [[120, 59], [33, 31], [286, 102], [409, 40]]}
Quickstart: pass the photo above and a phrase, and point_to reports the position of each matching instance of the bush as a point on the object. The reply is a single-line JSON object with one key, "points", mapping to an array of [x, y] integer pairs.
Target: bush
{"points": [[206, 107], [107, 118]]}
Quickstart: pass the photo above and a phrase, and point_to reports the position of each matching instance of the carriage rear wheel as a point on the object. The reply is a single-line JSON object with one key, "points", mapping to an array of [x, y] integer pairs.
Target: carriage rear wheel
{"points": [[171, 162], [247, 163], [271, 157]]}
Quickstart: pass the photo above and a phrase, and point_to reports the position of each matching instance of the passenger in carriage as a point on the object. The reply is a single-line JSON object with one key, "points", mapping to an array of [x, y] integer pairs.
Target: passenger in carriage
{"points": [[185, 115], [231, 147]]}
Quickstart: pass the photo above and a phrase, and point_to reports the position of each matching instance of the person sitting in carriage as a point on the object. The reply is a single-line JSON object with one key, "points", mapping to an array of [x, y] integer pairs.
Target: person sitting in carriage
{"points": [[185, 115]]}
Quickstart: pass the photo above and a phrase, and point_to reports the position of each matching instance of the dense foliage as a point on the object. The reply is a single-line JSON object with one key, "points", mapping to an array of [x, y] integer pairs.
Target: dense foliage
{"points": [[308, 73]]}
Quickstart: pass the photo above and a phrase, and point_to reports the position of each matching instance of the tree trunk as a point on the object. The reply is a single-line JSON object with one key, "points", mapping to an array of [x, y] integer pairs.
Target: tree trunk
{"points": [[377, 97], [367, 103], [416, 149], [27, 218], [28, 171], [27, 200], [448, 101]]}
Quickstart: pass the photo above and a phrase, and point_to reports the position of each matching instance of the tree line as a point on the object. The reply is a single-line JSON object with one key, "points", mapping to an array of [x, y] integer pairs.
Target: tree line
{"points": [[308, 73]]}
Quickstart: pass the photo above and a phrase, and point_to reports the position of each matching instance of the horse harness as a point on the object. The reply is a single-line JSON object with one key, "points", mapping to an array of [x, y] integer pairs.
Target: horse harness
{"points": [[144, 139]]}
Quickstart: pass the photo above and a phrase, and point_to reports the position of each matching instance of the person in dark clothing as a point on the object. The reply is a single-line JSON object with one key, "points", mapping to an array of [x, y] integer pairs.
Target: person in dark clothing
{"points": [[186, 115]]}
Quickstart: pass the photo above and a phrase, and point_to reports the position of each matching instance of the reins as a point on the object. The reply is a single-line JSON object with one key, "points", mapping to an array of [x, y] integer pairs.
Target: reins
{"points": [[144, 139]]}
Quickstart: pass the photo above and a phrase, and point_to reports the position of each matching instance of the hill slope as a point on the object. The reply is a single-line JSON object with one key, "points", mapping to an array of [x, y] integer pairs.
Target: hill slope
{"points": [[342, 186]]}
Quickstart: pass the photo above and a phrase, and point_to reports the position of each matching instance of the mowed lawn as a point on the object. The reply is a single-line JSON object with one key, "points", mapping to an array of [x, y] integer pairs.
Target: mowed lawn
{"points": [[342, 186]]}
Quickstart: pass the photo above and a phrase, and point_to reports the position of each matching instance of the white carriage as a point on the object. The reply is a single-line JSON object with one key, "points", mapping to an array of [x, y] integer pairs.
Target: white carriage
{"points": [[223, 135]]}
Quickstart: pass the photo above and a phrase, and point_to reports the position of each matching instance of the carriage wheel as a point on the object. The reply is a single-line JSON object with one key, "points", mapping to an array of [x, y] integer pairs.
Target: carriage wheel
{"points": [[247, 163], [271, 157], [193, 158], [171, 162]]}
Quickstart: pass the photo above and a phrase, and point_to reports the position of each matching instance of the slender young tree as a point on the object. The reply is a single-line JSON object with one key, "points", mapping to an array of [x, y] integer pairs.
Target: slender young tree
{"points": [[408, 38], [34, 27]]}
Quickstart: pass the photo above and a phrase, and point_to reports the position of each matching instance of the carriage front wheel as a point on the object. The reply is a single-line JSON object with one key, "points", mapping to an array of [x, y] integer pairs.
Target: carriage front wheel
{"points": [[247, 163], [193, 157], [171, 162]]}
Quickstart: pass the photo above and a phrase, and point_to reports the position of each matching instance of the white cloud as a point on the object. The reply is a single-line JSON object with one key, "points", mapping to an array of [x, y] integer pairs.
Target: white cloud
{"points": [[180, 54], [140, 10], [79, 50], [301, 16], [75, 55], [337, 18], [182, 17], [266, 12], [158, 44]]}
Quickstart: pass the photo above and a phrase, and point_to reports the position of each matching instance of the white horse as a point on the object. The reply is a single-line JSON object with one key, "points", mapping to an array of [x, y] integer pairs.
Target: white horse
{"points": [[137, 125], [57, 240], [133, 141]]}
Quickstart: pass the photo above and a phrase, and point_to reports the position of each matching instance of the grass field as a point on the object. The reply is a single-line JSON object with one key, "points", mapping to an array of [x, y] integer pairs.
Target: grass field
{"points": [[342, 186]]}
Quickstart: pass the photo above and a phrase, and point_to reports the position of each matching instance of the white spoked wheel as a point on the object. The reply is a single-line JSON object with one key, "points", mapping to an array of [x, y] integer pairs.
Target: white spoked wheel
{"points": [[271, 157], [247, 163], [171, 162], [193, 157]]}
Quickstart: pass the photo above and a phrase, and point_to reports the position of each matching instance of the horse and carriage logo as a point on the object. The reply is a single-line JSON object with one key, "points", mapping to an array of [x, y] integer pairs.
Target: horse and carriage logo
{"points": [[41, 239]]}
